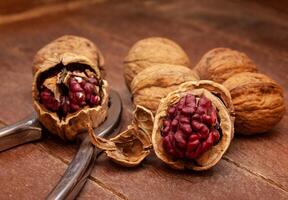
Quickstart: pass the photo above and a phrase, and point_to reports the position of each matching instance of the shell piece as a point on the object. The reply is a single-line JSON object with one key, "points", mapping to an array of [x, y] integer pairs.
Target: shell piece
{"points": [[53, 58], [143, 119], [258, 102], [128, 149], [221, 63], [210, 157], [151, 51], [155, 82], [132, 146], [51, 83], [53, 52]]}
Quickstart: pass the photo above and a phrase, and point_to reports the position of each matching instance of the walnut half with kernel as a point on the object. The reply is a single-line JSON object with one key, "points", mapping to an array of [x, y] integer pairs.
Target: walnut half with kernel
{"points": [[193, 126], [68, 89]]}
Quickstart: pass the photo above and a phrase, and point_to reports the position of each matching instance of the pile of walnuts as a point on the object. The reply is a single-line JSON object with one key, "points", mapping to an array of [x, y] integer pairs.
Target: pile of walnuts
{"points": [[186, 115], [258, 100], [196, 110]]}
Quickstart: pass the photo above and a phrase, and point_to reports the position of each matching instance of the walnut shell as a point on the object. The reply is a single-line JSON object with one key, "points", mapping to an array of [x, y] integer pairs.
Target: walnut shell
{"points": [[258, 102], [221, 63], [151, 51], [154, 83], [51, 52], [210, 157], [77, 122], [132, 146]]}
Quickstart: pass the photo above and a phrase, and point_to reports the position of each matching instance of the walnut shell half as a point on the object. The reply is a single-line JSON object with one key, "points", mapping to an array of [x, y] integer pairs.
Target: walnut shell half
{"points": [[210, 157], [52, 75], [155, 82], [151, 51], [258, 102], [132, 146], [221, 63]]}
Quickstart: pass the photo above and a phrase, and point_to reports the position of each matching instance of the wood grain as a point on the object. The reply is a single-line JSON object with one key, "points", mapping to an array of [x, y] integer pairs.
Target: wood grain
{"points": [[254, 167], [29, 172], [18, 6]]}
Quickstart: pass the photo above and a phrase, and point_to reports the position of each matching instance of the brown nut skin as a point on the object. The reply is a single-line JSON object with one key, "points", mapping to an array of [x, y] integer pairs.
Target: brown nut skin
{"points": [[221, 63], [151, 51], [258, 102], [74, 123], [51, 52], [212, 156], [155, 82]]}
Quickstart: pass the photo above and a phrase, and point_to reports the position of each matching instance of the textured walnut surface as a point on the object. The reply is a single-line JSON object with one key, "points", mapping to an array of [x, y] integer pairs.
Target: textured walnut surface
{"points": [[258, 101], [221, 63], [155, 82], [151, 51], [253, 168], [53, 51]]}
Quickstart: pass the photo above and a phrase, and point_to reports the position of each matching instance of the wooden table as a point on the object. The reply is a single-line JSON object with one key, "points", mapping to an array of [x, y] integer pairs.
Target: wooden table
{"points": [[253, 168]]}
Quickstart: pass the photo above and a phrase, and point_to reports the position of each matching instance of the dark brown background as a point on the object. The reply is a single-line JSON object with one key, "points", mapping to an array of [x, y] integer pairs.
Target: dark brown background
{"points": [[254, 167]]}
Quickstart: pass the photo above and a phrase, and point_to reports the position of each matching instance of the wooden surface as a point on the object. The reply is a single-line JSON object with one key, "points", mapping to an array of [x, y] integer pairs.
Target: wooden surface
{"points": [[253, 168]]}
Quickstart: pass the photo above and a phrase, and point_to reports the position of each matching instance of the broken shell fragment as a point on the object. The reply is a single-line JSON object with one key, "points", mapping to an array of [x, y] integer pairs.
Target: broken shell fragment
{"points": [[128, 148], [132, 146]]}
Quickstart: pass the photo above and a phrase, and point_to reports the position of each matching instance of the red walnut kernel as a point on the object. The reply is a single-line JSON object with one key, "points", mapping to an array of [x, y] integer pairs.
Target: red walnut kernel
{"points": [[189, 138], [193, 126], [76, 94]]}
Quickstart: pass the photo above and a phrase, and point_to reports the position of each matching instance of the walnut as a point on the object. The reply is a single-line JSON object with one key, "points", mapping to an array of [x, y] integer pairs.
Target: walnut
{"points": [[151, 51], [193, 126], [132, 146], [155, 82], [221, 63], [258, 102], [68, 91]]}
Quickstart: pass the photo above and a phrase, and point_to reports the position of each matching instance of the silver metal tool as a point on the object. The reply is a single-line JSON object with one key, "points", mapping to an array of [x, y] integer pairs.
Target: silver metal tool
{"points": [[80, 167]]}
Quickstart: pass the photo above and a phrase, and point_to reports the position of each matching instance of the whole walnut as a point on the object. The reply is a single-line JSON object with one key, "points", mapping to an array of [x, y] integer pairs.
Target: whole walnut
{"points": [[68, 90], [154, 83], [258, 102], [221, 63], [151, 51]]}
